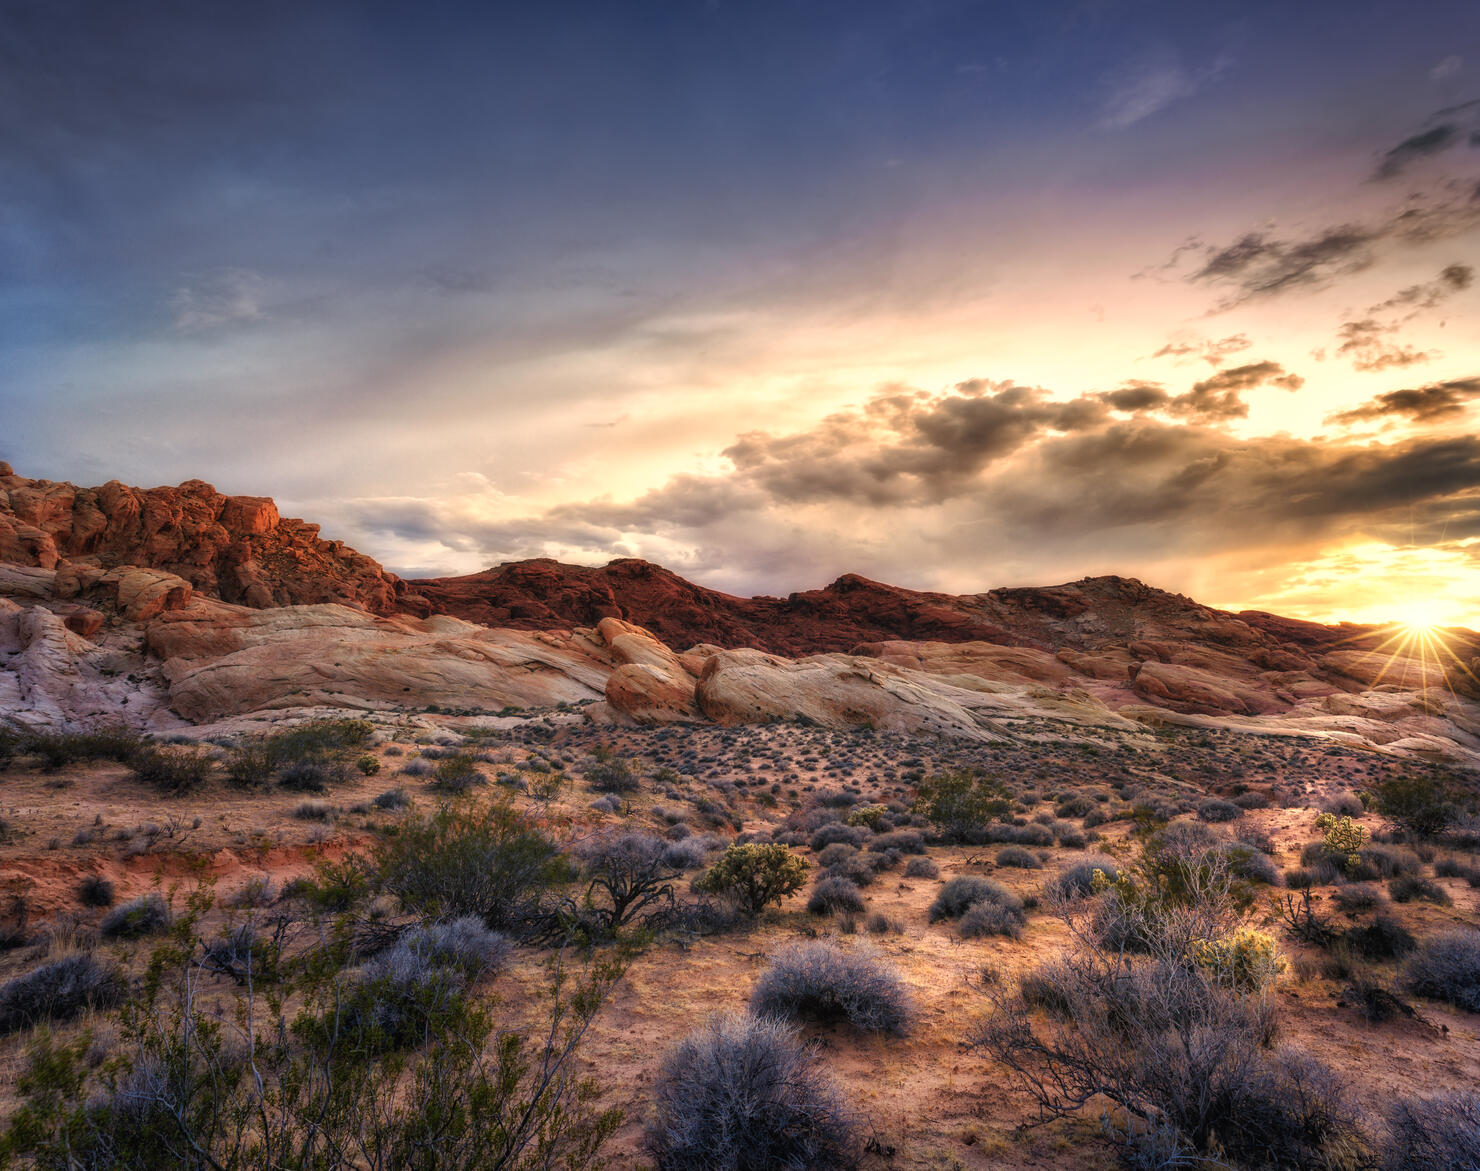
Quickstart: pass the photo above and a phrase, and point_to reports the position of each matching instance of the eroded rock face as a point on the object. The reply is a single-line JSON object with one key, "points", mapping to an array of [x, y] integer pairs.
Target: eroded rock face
{"points": [[222, 660], [233, 547]]}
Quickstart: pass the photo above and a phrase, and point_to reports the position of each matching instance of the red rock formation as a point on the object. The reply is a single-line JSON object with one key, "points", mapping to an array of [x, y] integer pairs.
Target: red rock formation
{"points": [[236, 548]]}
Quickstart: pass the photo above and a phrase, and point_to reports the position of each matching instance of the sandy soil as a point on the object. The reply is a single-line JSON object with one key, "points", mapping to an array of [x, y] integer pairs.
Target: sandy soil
{"points": [[930, 1101]]}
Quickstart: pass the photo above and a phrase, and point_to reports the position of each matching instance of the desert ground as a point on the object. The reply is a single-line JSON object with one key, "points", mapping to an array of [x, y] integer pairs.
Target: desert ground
{"points": [[925, 1098]]}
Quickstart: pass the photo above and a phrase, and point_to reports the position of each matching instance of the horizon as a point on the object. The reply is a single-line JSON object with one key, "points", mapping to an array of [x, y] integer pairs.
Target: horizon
{"points": [[953, 296]]}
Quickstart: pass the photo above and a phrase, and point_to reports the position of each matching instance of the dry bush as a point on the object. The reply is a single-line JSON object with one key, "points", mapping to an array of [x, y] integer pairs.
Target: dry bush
{"points": [[1181, 1047], [965, 891], [824, 982], [59, 991], [743, 1094], [921, 867], [1447, 968], [1434, 1134], [146, 915], [833, 893]]}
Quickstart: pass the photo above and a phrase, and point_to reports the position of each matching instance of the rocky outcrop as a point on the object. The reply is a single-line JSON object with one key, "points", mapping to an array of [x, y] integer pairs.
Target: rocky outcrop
{"points": [[236, 548], [222, 660]]}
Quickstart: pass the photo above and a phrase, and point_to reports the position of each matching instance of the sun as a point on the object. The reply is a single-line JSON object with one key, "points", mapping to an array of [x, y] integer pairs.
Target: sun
{"points": [[1421, 616]]}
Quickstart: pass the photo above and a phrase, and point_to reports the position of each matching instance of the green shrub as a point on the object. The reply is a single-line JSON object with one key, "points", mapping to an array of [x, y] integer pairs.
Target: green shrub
{"points": [[961, 803], [368, 765], [755, 875], [172, 771], [1425, 803], [146, 915], [457, 774], [483, 858]]}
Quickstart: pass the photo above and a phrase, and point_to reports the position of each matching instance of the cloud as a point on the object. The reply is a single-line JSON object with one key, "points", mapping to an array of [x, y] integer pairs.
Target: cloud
{"points": [[1453, 278], [1435, 403], [1221, 396], [1213, 352], [916, 487], [1151, 85], [1443, 131], [1262, 264], [1365, 342], [226, 296]]}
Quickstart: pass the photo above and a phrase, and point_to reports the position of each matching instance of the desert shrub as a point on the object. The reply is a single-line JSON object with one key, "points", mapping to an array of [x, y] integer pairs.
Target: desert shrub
{"points": [[1434, 1134], [835, 853], [824, 982], [368, 765], [836, 833], [250, 765], [1018, 857], [313, 811], [146, 915], [627, 875], [961, 803], [1357, 897], [1246, 961], [1077, 881], [921, 867], [686, 854], [1181, 1047], [610, 773], [1447, 967], [1253, 799], [856, 868], [1215, 809], [742, 1094], [485, 859], [1344, 805], [1382, 939], [1342, 840], [906, 841], [1390, 861], [171, 770], [965, 891], [326, 1088], [457, 773], [305, 776], [872, 816], [1250, 864], [1075, 806], [1410, 888], [465, 944], [95, 891], [833, 893], [755, 875], [106, 742], [416, 767], [982, 919], [59, 991], [1424, 804], [392, 799]]}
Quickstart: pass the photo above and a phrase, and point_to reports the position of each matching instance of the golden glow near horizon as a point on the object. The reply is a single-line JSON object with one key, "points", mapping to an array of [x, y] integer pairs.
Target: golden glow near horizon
{"points": [[1373, 583]]}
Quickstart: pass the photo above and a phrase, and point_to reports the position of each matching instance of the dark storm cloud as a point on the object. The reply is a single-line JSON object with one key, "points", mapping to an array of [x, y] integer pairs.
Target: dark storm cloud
{"points": [[1434, 403], [1446, 129], [1262, 264]]}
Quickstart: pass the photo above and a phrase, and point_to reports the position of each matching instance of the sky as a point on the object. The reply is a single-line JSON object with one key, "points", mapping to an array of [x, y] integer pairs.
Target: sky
{"points": [[951, 294]]}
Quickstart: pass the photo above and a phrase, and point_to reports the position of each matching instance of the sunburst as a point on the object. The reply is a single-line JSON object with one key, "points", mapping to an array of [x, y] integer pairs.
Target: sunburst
{"points": [[1418, 636]]}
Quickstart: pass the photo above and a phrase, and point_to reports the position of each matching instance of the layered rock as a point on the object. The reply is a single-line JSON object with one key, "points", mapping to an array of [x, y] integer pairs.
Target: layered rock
{"points": [[221, 660]]}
